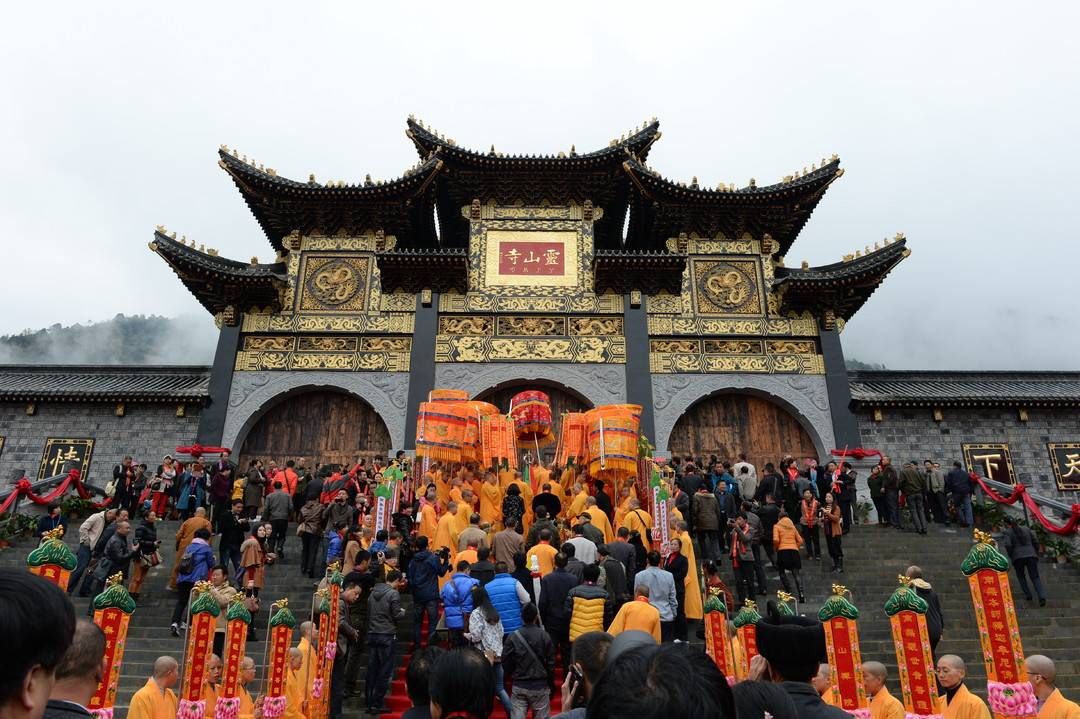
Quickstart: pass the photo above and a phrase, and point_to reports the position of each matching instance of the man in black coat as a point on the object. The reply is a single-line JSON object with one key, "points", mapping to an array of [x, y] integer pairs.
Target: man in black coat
{"points": [[553, 590], [679, 567], [603, 501], [233, 528], [548, 501], [78, 674]]}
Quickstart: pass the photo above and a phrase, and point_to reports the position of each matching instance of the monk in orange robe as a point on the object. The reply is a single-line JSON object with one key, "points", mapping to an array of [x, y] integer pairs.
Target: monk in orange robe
{"points": [[490, 500], [429, 518]]}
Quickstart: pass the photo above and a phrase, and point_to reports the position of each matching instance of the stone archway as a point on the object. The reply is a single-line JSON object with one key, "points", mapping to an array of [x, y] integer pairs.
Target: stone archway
{"points": [[804, 398], [326, 426], [254, 393]]}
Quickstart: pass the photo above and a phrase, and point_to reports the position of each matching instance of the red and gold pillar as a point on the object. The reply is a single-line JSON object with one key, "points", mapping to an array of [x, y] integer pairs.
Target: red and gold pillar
{"points": [[717, 640], [987, 572], [746, 632], [320, 689], [907, 617], [200, 645], [53, 559], [112, 612], [839, 615], [282, 623], [236, 628]]}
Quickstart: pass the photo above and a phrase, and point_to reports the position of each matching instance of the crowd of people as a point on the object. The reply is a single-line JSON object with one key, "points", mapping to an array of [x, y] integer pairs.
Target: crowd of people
{"points": [[517, 578]]}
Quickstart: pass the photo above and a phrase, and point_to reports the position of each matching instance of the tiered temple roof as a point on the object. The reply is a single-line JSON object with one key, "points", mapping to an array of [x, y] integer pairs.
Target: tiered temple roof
{"points": [[885, 388], [104, 383]]}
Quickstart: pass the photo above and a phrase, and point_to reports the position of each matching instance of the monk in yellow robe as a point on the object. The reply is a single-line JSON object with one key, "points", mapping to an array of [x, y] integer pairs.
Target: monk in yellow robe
{"points": [[964, 705], [1043, 674], [822, 683], [156, 699], [446, 537], [490, 500], [527, 496], [294, 686], [883, 705], [247, 675], [693, 607], [310, 661], [429, 518], [464, 509], [442, 489], [456, 487], [638, 520], [577, 504], [506, 476], [538, 477], [211, 686], [623, 506], [599, 519]]}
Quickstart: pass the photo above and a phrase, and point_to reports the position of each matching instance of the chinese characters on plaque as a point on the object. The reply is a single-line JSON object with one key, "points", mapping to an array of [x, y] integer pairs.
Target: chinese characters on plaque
{"points": [[1065, 459], [992, 461], [532, 258], [58, 452]]}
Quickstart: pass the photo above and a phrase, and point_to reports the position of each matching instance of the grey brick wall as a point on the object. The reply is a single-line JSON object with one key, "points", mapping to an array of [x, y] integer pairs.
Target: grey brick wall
{"points": [[913, 434], [146, 431]]}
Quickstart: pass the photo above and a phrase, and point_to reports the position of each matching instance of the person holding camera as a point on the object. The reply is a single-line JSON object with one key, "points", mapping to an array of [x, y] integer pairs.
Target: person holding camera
{"points": [[424, 571]]}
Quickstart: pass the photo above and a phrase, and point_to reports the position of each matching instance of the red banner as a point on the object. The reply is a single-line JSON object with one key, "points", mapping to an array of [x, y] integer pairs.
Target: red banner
{"points": [[200, 646], [114, 624], [235, 644], [917, 678], [847, 675], [279, 657]]}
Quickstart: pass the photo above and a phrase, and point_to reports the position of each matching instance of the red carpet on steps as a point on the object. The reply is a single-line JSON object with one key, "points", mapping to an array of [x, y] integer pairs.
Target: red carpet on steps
{"points": [[398, 699]]}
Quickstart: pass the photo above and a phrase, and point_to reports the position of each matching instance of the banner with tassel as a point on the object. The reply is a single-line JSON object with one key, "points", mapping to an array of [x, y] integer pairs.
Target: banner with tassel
{"points": [[717, 639], [918, 682], [746, 632], [238, 618], [53, 559], [112, 612], [198, 648], [282, 623], [987, 572], [320, 691], [839, 616]]}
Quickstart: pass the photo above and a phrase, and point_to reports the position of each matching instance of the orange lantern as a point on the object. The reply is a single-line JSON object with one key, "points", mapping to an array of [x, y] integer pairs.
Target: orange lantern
{"points": [[497, 440], [612, 441], [440, 430], [447, 395], [531, 412]]}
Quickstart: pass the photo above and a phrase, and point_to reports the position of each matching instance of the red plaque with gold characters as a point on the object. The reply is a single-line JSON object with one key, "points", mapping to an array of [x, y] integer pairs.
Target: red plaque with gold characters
{"points": [[839, 616], [200, 644], [236, 628], [987, 572], [53, 559], [531, 258], [112, 612], [907, 617]]}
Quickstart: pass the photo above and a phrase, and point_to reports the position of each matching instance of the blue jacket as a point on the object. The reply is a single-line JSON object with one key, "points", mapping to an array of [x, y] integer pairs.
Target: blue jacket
{"points": [[424, 572], [204, 561], [457, 599], [502, 590], [335, 548]]}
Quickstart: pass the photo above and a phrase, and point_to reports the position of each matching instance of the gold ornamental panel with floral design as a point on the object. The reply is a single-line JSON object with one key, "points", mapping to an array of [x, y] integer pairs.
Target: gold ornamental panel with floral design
{"points": [[696, 326], [589, 350], [727, 286], [346, 354], [684, 354], [334, 282]]}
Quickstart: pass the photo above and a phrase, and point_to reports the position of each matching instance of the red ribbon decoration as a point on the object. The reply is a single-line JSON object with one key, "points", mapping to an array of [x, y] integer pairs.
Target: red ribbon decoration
{"points": [[1020, 493], [856, 453], [23, 489]]}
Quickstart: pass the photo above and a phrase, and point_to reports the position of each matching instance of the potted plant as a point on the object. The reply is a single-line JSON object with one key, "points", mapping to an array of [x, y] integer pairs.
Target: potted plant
{"points": [[1058, 550], [862, 511], [988, 515]]}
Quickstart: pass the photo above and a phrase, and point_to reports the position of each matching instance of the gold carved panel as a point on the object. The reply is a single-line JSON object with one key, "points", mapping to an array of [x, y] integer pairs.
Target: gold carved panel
{"points": [[684, 354], [733, 347], [477, 302], [271, 344], [777, 327], [727, 287], [531, 326], [472, 325], [337, 282], [796, 347], [592, 350], [596, 326], [345, 361], [394, 322]]}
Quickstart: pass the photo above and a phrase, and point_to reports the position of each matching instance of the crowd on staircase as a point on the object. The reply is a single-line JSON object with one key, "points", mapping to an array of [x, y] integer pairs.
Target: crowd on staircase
{"points": [[541, 592]]}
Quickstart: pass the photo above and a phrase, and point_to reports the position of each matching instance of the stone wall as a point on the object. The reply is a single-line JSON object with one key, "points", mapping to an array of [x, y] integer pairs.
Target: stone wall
{"points": [[912, 434], [146, 431]]}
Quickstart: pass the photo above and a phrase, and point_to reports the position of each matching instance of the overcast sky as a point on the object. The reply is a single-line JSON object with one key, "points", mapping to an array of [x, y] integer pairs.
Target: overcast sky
{"points": [[956, 124]]}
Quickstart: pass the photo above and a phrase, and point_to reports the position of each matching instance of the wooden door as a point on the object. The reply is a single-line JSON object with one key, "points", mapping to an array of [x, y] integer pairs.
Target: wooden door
{"points": [[727, 424], [321, 426]]}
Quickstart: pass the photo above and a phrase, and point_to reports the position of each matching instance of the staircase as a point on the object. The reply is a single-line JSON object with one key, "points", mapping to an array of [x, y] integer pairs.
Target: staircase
{"points": [[874, 556]]}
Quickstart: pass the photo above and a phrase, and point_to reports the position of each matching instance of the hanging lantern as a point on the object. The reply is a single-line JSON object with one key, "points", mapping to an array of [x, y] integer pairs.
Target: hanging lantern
{"points": [[200, 644], [440, 430], [238, 618], [839, 616], [612, 437], [447, 395], [53, 559], [987, 572], [112, 612], [907, 617], [531, 412]]}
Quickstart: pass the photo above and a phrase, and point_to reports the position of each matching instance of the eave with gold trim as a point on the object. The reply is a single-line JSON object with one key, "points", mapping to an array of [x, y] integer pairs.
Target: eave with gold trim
{"points": [[842, 287], [402, 207], [662, 208], [220, 284]]}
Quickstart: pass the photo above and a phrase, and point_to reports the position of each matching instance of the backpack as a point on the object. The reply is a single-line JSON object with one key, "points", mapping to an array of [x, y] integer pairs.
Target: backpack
{"points": [[187, 564]]}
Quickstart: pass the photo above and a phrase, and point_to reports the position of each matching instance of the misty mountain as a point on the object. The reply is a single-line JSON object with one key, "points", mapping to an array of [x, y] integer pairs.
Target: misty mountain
{"points": [[125, 339]]}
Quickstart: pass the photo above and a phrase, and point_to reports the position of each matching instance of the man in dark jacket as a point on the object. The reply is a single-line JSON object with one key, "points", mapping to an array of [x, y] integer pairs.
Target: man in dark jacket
{"points": [[935, 618], [221, 483], [424, 572], [77, 674], [548, 501], [116, 557], [276, 508], [603, 501], [347, 636], [529, 658], [769, 512], [622, 550], [573, 565], [482, 570], [890, 483], [679, 567], [553, 590], [614, 577], [913, 485], [705, 518], [958, 488], [384, 609], [543, 521], [233, 528]]}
